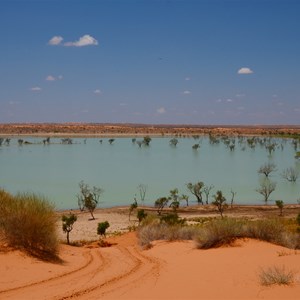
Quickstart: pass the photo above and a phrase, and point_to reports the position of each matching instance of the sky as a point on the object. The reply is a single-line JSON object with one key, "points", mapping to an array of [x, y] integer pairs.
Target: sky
{"points": [[199, 62]]}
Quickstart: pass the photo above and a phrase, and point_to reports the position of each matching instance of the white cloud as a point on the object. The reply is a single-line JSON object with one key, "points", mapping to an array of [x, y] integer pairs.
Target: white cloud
{"points": [[50, 78], [97, 92], [229, 100], [245, 71], [186, 92], [161, 110], [60, 77], [240, 95], [219, 100], [85, 40], [187, 78], [56, 40], [36, 89]]}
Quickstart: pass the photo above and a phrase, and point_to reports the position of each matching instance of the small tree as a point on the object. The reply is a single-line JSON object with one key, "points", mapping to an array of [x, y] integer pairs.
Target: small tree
{"points": [[279, 204], [207, 190], [220, 202], [266, 169], [174, 197], [88, 198], [111, 141], [185, 198], [160, 203], [67, 224], [196, 146], [196, 190], [101, 229], [141, 215], [266, 188]]}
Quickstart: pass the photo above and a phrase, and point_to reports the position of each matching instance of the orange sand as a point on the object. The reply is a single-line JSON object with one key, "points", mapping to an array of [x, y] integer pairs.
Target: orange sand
{"points": [[174, 270]]}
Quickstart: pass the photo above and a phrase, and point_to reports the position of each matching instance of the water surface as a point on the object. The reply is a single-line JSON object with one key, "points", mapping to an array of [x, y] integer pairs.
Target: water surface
{"points": [[55, 170]]}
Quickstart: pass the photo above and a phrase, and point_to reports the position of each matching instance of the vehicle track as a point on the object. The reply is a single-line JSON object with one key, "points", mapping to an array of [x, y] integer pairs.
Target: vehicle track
{"points": [[106, 271]]}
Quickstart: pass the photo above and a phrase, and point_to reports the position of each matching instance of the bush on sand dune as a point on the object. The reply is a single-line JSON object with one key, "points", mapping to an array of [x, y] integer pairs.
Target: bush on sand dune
{"points": [[28, 222]]}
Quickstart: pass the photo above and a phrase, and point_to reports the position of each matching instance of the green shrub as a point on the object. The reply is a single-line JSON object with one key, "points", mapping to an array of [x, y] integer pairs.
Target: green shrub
{"points": [[28, 222], [276, 275], [67, 224], [101, 229]]}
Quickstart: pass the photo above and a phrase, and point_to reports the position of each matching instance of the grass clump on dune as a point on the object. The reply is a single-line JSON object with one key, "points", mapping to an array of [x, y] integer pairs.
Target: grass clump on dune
{"points": [[28, 222], [276, 275], [219, 232], [168, 227]]}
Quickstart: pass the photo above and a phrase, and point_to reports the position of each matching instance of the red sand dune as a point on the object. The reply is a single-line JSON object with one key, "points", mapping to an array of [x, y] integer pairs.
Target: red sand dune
{"points": [[174, 270]]}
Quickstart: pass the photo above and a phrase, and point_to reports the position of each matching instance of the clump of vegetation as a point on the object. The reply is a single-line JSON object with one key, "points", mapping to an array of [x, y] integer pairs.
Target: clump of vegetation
{"points": [[276, 275], [28, 222], [101, 229], [132, 207], [88, 198], [67, 224], [280, 205], [219, 232], [141, 215]]}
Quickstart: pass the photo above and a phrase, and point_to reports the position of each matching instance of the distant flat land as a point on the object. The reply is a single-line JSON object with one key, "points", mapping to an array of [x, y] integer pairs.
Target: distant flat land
{"points": [[95, 129]]}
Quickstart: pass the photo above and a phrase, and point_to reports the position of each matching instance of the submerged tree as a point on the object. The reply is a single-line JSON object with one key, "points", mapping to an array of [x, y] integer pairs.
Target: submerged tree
{"points": [[142, 191], [267, 168], [290, 174], [196, 190], [173, 142], [88, 197], [147, 140], [266, 188]]}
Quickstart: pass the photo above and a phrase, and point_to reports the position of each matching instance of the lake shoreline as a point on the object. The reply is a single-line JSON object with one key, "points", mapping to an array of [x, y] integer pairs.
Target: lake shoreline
{"points": [[136, 130]]}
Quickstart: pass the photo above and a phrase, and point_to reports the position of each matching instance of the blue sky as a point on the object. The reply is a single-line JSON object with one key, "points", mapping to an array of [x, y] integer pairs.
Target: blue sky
{"points": [[150, 61]]}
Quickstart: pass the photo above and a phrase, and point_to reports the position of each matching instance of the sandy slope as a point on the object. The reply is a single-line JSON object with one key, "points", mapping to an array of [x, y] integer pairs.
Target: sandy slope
{"points": [[167, 271]]}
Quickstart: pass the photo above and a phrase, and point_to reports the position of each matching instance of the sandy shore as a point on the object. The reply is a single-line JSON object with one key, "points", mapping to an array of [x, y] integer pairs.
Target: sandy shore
{"points": [[174, 270]]}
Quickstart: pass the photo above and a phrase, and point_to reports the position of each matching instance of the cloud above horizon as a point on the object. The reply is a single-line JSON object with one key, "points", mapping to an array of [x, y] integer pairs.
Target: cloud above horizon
{"points": [[245, 70], [56, 40], [36, 89], [50, 78], [85, 40], [161, 110]]}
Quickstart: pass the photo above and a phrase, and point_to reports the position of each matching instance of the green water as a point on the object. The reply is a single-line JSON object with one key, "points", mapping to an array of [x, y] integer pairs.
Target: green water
{"points": [[55, 170]]}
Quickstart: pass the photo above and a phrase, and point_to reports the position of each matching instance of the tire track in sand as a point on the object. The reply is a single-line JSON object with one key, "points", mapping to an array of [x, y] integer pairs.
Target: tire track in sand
{"points": [[106, 271]]}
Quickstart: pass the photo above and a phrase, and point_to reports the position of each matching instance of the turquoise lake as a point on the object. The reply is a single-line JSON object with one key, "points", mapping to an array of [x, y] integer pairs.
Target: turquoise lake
{"points": [[55, 170]]}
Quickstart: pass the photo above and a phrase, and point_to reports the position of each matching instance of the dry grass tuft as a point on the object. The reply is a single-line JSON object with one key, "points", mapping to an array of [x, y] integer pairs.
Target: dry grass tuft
{"points": [[276, 275]]}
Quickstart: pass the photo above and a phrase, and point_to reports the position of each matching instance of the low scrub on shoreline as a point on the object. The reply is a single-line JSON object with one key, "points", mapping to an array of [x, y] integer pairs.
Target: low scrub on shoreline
{"points": [[28, 222], [218, 232]]}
